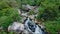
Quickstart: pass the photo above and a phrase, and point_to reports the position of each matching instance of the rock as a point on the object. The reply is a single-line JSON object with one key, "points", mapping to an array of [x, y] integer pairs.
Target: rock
{"points": [[38, 30], [29, 25], [27, 7], [42, 26], [23, 18], [32, 17], [36, 9], [25, 32], [24, 14], [32, 27], [16, 27], [1, 27], [19, 11]]}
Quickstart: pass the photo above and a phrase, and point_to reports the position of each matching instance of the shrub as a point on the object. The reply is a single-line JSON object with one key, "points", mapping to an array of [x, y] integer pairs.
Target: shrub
{"points": [[7, 17], [48, 10], [52, 27], [5, 21]]}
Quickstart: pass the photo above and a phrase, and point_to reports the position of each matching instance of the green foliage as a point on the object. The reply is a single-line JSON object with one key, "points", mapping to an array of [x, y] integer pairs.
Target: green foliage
{"points": [[38, 2], [48, 10], [31, 12], [8, 13], [8, 16], [3, 32], [7, 4], [11, 32], [31, 2], [41, 10], [3, 5], [5, 21], [52, 26]]}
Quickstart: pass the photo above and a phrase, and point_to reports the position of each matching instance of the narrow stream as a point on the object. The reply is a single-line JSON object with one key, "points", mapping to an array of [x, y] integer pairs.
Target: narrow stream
{"points": [[32, 27]]}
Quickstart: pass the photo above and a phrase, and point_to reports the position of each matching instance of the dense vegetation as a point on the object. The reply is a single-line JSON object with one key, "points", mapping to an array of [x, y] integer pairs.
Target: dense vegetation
{"points": [[49, 10], [8, 14]]}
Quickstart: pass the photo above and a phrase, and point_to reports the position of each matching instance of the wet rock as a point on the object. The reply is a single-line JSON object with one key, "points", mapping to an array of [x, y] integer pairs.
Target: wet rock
{"points": [[29, 25], [42, 27], [38, 30], [32, 27]]}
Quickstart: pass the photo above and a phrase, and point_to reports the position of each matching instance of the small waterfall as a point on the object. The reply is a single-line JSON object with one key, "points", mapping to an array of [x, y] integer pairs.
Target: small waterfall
{"points": [[32, 27], [38, 30], [26, 24]]}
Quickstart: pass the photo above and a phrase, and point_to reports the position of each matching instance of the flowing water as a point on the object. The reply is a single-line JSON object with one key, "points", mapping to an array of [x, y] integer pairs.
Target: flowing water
{"points": [[29, 27], [32, 27]]}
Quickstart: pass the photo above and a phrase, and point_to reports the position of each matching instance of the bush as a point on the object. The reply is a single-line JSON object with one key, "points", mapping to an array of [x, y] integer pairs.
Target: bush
{"points": [[48, 10], [30, 2], [3, 5], [52, 27], [8, 14], [38, 2], [7, 17], [5, 21], [3, 32], [7, 3]]}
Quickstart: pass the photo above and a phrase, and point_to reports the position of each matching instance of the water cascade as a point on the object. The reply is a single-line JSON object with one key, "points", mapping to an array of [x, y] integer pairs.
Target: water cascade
{"points": [[32, 27]]}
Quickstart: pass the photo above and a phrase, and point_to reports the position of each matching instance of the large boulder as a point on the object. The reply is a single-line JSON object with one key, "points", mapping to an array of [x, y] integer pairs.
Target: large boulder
{"points": [[16, 27]]}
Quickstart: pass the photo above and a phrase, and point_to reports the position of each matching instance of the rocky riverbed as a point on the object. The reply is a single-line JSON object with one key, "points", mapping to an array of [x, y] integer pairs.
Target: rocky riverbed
{"points": [[29, 23]]}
